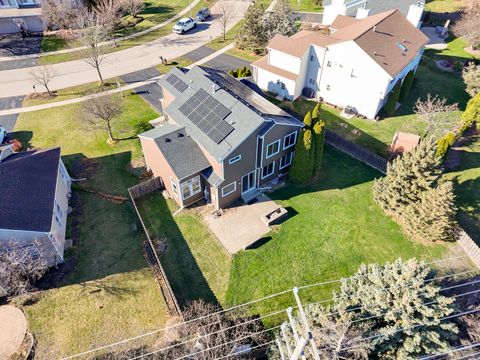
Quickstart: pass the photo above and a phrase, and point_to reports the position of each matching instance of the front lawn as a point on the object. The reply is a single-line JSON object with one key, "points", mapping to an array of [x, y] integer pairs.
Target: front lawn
{"points": [[111, 293]]}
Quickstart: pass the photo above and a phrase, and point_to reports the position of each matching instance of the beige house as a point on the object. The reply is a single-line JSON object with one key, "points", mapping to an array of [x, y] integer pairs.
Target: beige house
{"points": [[34, 194], [223, 142]]}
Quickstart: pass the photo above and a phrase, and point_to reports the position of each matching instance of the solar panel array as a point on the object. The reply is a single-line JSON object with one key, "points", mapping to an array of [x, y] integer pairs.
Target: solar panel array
{"points": [[176, 83], [208, 115]]}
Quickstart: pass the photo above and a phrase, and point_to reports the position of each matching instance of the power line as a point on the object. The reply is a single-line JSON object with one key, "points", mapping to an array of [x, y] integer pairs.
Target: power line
{"points": [[249, 349], [451, 351], [468, 356], [231, 309]]}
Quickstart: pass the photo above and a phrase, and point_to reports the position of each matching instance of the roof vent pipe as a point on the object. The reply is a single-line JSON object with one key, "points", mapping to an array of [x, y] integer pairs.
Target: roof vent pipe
{"points": [[375, 28]]}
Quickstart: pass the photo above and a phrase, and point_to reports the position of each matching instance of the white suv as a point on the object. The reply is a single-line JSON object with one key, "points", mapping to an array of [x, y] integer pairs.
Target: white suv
{"points": [[3, 135], [183, 25]]}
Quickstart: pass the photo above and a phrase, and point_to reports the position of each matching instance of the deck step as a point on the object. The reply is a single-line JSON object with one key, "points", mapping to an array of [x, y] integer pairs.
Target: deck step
{"points": [[250, 196]]}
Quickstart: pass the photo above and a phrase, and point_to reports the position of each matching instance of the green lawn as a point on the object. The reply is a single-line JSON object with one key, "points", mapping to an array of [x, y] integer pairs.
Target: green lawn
{"points": [[197, 265], [307, 5], [467, 185], [441, 6], [111, 293]]}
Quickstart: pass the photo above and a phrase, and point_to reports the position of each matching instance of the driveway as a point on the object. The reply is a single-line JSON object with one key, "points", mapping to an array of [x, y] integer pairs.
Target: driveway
{"points": [[151, 92], [239, 227], [72, 73], [8, 121]]}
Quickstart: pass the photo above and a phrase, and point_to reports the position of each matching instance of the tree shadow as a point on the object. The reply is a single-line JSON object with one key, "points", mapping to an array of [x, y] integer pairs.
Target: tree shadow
{"points": [[183, 273], [25, 138], [97, 286], [160, 13]]}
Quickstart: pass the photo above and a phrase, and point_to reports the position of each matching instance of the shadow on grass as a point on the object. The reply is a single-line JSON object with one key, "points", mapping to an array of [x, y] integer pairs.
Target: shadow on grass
{"points": [[183, 272], [25, 137]]}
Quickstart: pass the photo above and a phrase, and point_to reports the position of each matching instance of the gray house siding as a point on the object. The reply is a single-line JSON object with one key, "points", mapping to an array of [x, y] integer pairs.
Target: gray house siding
{"points": [[276, 133]]}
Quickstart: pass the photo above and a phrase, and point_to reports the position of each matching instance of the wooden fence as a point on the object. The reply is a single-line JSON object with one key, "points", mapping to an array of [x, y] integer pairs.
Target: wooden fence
{"points": [[135, 192], [469, 246], [356, 151]]}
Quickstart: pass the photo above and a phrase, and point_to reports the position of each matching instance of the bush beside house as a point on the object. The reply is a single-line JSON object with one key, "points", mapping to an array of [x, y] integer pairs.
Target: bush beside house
{"points": [[393, 99]]}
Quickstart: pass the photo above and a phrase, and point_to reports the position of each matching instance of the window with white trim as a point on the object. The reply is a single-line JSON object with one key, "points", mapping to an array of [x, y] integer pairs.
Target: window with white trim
{"points": [[64, 174], [312, 58], [190, 187], [329, 64], [286, 160], [235, 159], [289, 140], [273, 149], [174, 187], [329, 87], [354, 73], [59, 211], [268, 170], [230, 188], [311, 81]]}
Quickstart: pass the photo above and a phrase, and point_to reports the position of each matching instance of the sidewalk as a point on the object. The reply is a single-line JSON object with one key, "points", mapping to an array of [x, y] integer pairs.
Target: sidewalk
{"points": [[128, 37], [109, 92]]}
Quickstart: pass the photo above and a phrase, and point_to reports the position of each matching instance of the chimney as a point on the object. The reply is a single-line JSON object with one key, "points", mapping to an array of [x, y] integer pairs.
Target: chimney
{"points": [[362, 13], [415, 14], [214, 88]]}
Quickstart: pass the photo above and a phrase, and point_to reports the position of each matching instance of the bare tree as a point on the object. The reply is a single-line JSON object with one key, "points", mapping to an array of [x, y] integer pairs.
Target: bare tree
{"points": [[132, 7], [60, 14], [109, 14], [19, 269], [471, 78], [468, 25], [42, 75], [92, 35], [436, 113], [99, 113], [224, 16]]}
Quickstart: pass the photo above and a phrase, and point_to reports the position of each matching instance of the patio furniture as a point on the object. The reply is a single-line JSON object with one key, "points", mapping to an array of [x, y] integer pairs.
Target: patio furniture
{"points": [[275, 217]]}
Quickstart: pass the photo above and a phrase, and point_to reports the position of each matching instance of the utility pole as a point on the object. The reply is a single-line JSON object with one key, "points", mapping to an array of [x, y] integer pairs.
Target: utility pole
{"points": [[306, 325]]}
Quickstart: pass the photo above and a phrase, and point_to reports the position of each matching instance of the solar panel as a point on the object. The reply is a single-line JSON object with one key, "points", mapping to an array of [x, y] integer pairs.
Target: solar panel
{"points": [[176, 83], [208, 115]]}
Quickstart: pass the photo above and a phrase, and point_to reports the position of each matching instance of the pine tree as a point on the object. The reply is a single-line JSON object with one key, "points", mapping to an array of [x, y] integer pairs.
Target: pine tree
{"points": [[280, 21], [307, 120], [319, 136], [408, 177], [406, 86], [433, 217], [251, 35], [397, 296], [471, 113], [316, 113], [301, 171], [391, 104]]}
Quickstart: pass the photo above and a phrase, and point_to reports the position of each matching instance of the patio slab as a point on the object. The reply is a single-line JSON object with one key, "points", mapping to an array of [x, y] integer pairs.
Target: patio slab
{"points": [[241, 226]]}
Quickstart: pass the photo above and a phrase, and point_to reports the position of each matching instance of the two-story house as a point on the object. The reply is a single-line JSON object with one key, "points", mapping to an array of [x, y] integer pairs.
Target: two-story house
{"points": [[20, 13], [222, 142], [34, 194], [357, 64]]}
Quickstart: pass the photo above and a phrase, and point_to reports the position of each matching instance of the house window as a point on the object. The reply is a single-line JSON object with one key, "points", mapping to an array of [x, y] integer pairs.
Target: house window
{"points": [[329, 64], [64, 174], [191, 187], [174, 187], [230, 188], [354, 73], [268, 170], [273, 148], [311, 81], [312, 58], [235, 159], [286, 160], [328, 88], [289, 140], [59, 211], [58, 220]]}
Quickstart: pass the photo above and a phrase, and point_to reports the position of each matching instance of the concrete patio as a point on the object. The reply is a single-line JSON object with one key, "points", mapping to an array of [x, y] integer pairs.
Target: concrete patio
{"points": [[238, 227]]}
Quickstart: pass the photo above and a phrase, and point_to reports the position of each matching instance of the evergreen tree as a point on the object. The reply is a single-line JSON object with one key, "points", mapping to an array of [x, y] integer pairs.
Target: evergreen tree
{"points": [[391, 105], [408, 176], [251, 35], [397, 297], [280, 21], [319, 135], [316, 113], [471, 113], [307, 120], [433, 217], [301, 171], [406, 86]]}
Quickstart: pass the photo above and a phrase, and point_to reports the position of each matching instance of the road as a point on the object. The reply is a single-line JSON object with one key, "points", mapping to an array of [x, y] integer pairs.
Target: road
{"points": [[18, 81]]}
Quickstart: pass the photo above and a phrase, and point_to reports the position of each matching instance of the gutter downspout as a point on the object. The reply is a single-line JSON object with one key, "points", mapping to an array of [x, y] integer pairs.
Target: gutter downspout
{"points": [[323, 67]]}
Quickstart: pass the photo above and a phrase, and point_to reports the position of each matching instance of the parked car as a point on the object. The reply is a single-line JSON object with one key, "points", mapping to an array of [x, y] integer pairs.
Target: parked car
{"points": [[203, 14], [3, 135], [183, 25]]}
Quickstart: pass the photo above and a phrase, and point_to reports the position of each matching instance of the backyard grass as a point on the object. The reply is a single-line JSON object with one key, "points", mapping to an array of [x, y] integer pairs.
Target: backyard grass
{"points": [[307, 5], [111, 293], [441, 6], [197, 265]]}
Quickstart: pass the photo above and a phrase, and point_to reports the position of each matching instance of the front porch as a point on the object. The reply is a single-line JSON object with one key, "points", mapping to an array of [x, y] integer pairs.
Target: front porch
{"points": [[241, 226]]}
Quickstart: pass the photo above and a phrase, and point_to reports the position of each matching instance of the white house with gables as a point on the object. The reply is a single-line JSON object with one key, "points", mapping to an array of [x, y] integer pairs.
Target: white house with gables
{"points": [[356, 64]]}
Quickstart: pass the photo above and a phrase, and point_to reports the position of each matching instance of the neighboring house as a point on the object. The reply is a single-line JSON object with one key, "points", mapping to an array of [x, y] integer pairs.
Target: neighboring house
{"points": [[20, 13], [34, 194], [357, 64], [412, 9], [222, 142]]}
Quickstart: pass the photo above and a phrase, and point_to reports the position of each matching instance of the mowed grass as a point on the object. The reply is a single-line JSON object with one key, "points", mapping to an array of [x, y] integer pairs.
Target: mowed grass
{"points": [[197, 265], [111, 293], [441, 6], [334, 227]]}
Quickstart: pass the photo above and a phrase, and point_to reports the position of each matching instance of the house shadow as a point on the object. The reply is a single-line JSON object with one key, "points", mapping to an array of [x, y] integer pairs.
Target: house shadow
{"points": [[184, 275], [158, 12]]}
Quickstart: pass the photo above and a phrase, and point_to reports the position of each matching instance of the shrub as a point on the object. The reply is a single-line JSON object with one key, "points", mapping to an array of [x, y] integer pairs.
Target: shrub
{"points": [[240, 72], [393, 98], [445, 143], [406, 86], [301, 171]]}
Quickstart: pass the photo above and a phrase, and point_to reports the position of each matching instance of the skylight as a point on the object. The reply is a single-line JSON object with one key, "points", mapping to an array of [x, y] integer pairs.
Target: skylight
{"points": [[401, 46]]}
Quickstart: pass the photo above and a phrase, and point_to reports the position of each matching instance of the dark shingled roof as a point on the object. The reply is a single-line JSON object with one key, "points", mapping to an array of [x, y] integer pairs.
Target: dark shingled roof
{"points": [[182, 153], [27, 190]]}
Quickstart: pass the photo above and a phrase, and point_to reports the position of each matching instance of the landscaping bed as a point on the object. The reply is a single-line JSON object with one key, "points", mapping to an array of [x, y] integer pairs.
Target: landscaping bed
{"points": [[111, 293]]}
